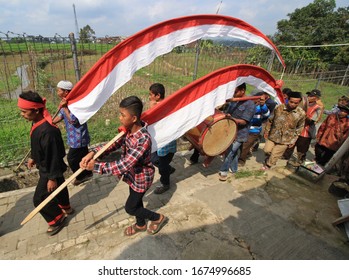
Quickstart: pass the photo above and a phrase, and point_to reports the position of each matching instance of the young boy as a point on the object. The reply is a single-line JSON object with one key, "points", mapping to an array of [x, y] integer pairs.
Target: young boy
{"points": [[47, 153], [78, 137], [162, 157], [134, 165]]}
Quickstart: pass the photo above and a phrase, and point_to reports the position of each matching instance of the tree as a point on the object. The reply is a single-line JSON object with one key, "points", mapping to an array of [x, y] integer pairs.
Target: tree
{"points": [[317, 24], [86, 34]]}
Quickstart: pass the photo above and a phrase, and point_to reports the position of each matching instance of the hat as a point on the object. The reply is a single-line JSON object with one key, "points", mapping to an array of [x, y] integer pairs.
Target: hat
{"points": [[65, 85], [345, 108], [314, 92]]}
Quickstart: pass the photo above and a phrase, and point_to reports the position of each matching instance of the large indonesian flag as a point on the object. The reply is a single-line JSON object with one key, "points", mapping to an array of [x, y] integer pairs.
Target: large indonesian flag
{"points": [[118, 65], [189, 106]]}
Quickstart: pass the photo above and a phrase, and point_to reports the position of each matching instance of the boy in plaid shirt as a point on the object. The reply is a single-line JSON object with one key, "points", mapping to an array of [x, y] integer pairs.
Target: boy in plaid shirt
{"points": [[134, 165]]}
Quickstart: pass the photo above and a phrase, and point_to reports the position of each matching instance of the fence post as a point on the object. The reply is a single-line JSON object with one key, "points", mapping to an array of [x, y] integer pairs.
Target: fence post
{"points": [[345, 76], [75, 56], [318, 81], [197, 54], [271, 60]]}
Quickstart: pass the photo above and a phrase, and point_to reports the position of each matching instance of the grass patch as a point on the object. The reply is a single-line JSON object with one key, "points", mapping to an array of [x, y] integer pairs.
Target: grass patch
{"points": [[249, 173]]}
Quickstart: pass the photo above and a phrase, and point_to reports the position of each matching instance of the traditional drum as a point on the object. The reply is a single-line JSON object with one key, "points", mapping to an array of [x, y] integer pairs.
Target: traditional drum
{"points": [[214, 135]]}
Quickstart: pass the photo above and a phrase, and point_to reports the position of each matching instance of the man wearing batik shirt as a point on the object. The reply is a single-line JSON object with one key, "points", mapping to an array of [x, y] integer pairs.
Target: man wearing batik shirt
{"points": [[309, 131], [283, 128], [78, 137]]}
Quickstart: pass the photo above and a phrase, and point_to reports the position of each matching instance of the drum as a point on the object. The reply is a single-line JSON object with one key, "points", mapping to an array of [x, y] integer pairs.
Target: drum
{"points": [[214, 135]]}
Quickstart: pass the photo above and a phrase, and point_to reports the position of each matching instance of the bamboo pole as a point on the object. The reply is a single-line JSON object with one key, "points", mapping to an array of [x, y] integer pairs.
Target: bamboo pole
{"points": [[70, 179]]}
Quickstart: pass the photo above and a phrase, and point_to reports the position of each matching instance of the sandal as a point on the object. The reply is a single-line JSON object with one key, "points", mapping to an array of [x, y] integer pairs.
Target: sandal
{"points": [[134, 229], [155, 226], [52, 230], [68, 211]]}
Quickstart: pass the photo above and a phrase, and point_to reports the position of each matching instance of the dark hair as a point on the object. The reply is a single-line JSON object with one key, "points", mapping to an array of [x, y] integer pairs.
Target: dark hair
{"points": [[241, 87], [31, 96], [133, 105], [158, 88], [295, 94], [286, 91]]}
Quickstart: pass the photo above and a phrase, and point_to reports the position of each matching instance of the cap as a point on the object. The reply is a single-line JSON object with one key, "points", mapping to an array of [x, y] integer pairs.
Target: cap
{"points": [[67, 85], [314, 92], [344, 108]]}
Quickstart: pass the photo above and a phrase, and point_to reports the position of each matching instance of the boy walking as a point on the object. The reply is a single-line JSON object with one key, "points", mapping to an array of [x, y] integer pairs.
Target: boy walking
{"points": [[78, 137], [163, 156], [134, 166], [47, 153]]}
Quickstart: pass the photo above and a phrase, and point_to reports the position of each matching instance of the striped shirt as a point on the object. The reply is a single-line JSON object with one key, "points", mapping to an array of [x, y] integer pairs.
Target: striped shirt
{"points": [[134, 165]]}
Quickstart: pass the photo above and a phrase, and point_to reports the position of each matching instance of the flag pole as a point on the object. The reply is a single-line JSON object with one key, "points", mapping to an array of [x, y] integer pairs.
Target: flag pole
{"points": [[70, 179]]}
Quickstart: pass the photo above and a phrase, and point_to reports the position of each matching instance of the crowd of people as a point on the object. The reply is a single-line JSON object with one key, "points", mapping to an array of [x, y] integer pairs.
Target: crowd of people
{"points": [[285, 128]]}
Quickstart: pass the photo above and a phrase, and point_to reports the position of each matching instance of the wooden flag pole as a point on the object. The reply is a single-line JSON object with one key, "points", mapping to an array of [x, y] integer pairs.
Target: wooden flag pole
{"points": [[61, 187]]}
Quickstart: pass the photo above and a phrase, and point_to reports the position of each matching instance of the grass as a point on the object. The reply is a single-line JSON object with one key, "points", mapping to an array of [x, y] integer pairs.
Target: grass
{"points": [[174, 70], [249, 173]]}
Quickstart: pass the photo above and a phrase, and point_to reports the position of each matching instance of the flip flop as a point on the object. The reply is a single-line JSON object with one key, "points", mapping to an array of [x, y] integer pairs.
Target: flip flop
{"points": [[52, 230], [159, 225]]}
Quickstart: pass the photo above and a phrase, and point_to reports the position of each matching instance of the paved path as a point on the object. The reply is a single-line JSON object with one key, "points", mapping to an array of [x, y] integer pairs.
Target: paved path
{"points": [[273, 216]]}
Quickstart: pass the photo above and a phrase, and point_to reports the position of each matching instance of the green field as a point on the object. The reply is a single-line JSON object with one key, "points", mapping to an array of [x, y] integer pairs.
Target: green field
{"points": [[174, 70]]}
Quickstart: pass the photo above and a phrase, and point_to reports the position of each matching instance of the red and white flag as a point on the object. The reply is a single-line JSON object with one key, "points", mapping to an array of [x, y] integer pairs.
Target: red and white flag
{"points": [[189, 106], [118, 65]]}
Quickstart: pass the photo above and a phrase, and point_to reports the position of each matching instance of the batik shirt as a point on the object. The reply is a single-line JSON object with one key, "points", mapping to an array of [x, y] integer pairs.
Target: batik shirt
{"points": [[284, 126], [77, 134], [134, 165]]}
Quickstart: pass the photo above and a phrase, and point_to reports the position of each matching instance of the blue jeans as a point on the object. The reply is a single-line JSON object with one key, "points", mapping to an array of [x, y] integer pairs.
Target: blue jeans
{"points": [[231, 160]]}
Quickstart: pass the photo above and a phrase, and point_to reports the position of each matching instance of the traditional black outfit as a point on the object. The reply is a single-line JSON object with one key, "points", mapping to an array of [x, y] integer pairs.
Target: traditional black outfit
{"points": [[47, 150]]}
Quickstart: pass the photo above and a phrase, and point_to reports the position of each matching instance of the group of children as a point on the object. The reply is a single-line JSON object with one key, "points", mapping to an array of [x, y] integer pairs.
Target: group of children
{"points": [[289, 126], [136, 165]]}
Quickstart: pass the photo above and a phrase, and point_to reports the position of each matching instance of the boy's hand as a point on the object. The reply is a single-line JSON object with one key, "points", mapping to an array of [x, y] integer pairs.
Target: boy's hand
{"points": [[122, 129], [51, 185], [63, 103], [86, 159], [90, 165], [30, 163]]}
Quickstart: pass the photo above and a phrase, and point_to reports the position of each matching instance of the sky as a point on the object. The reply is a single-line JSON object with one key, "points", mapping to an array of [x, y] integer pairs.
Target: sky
{"points": [[127, 17]]}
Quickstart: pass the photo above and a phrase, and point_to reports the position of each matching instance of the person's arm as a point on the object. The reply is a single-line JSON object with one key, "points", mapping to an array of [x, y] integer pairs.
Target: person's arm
{"points": [[131, 158]]}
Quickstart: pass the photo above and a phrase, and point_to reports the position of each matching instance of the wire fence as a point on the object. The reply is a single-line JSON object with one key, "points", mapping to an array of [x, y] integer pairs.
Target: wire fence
{"points": [[38, 63]]}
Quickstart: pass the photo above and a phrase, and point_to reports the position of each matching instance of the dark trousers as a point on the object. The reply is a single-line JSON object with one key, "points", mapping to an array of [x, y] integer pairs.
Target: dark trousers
{"points": [[246, 147], [302, 145], [165, 168], [163, 163], [134, 207], [52, 210], [322, 154], [74, 157]]}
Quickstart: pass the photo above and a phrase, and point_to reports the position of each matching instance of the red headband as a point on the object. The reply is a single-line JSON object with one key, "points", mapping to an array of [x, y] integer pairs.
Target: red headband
{"points": [[28, 105]]}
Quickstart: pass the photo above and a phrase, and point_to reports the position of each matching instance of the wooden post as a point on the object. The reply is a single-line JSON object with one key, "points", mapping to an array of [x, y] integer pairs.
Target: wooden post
{"points": [[70, 179], [75, 56]]}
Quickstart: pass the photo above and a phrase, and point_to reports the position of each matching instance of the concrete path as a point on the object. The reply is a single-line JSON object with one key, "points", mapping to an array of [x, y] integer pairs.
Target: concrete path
{"points": [[277, 215]]}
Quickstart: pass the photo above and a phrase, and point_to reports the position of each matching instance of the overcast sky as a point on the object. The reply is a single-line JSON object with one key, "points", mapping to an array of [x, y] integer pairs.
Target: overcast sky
{"points": [[126, 17]]}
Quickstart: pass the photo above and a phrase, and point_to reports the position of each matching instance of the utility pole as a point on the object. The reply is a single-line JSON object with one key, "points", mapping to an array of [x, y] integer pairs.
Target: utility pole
{"points": [[76, 24]]}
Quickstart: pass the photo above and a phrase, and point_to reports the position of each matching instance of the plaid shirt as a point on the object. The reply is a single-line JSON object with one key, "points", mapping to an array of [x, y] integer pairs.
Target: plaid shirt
{"points": [[134, 165]]}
